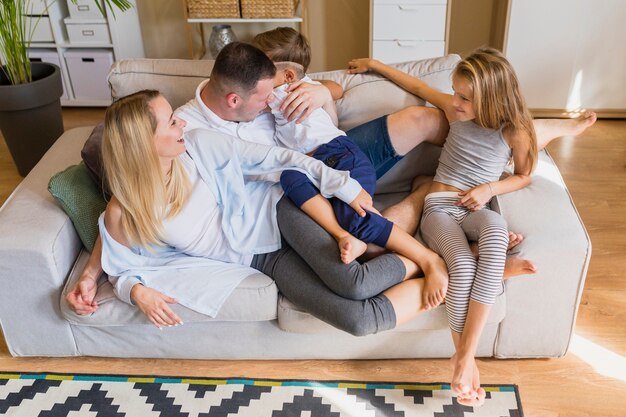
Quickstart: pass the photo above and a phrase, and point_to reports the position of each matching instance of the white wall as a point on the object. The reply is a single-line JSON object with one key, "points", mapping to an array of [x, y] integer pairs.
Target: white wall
{"points": [[569, 54]]}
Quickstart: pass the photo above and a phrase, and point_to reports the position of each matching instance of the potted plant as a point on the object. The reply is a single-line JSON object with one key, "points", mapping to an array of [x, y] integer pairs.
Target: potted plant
{"points": [[30, 106]]}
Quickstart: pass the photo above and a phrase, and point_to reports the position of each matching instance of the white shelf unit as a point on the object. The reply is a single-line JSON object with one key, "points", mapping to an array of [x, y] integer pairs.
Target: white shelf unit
{"points": [[406, 30], [123, 28], [204, 54]]}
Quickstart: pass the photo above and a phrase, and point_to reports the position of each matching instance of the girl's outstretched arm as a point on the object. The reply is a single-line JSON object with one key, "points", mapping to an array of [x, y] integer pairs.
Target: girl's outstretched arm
{"points": [[407, 82]]}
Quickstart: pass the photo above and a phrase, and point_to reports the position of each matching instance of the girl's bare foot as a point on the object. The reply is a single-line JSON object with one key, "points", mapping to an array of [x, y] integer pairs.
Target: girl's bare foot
{"points": [[515, 266], [435, 282], [350, 248], [466, 382]]}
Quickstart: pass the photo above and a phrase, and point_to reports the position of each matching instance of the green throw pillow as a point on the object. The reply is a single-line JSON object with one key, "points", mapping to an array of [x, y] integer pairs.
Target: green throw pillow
{"points": [[80, 198]]}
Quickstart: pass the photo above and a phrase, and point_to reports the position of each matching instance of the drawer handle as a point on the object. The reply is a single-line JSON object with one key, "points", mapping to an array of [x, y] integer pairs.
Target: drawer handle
{"points": [[83, 8], [408, 8], [88, 59], [405, 43], [88, 32]]}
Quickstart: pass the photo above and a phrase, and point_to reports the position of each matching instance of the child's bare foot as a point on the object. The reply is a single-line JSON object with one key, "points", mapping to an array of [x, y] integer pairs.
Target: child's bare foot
{"points": [[515, 266], [421, 180], [435, 282], [466, 382], [514, 240], [350, 248]]}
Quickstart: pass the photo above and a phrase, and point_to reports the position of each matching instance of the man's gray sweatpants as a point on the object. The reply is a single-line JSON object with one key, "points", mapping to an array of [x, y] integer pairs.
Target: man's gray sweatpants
{"points": [[308, 271]]}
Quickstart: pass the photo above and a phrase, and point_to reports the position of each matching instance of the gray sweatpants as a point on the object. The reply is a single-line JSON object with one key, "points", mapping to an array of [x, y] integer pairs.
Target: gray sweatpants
{"points": [[446, 229], [308, 271]]}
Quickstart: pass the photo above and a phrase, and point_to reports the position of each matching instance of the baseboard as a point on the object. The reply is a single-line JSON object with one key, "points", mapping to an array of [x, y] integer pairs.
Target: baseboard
{"points": [[562, 113]]}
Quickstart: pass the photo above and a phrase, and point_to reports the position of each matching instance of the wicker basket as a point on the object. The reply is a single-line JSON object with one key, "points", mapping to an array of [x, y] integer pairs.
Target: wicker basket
{"points": [[212, 9], [267, 8]]}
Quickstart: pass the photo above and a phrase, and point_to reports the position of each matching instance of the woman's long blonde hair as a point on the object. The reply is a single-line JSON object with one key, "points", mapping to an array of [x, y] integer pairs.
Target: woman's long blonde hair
{"points": [[133, 171], [498, 101]]}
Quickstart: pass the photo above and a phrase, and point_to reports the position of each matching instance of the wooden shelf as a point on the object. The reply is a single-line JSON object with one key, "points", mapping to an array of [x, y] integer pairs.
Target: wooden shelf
{"points": [[295, 19]]}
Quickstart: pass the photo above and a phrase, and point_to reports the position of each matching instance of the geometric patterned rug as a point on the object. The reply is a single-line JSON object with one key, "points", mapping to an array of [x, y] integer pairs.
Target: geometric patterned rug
{"points": [[65, 395]]}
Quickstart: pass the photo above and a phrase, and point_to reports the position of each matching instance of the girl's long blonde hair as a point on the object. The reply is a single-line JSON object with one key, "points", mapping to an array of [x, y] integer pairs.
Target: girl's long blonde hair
{"points": [[133, 171], [498, 101]]}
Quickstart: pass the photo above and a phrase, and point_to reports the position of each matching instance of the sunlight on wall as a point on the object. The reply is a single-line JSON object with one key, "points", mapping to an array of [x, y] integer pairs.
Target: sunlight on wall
{"points": [[601, 359], [574, 101]]}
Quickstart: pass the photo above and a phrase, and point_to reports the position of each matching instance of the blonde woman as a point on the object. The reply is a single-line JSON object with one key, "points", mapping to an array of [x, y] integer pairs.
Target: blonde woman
{"points": [[185, 203], [489, 125]]}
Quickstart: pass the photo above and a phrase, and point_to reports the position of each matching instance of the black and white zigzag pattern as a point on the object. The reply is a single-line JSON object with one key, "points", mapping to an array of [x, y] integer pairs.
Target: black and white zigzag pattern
{"points": [[72, 398]]}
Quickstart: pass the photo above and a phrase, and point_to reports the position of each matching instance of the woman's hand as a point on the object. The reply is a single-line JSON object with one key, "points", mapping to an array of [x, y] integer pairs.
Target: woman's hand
{"points": [[360, 65], [81, 296], [363, 202], [303, 98], [474, 199], [155, 306]]}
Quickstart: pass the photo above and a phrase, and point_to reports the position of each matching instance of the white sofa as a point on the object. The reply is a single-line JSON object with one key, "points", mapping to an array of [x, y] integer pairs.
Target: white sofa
{"points": [[41, 256]]}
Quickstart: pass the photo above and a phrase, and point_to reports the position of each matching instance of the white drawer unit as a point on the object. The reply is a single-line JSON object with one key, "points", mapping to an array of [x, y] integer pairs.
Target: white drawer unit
{"points": [[83, 42], [88, 69], [36, 7], [40, 27], [401, 51], [408, 30], [88, 32], [84, 9], [52, 57]]}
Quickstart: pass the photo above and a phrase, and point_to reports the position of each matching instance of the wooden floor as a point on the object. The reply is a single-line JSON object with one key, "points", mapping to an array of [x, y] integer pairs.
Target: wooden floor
{"points": [[589, 381]]}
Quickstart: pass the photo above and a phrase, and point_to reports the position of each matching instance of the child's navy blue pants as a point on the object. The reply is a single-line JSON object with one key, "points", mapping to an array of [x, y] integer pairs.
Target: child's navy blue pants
{"points": [[342, 154]]}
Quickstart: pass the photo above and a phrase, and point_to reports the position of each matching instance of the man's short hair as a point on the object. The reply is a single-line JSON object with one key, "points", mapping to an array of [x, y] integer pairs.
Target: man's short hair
{"points": [[239, 67]]}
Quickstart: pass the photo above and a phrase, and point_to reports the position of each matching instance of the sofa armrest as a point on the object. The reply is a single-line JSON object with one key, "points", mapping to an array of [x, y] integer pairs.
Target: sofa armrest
{"points": [[542, 308], [38, 247]]}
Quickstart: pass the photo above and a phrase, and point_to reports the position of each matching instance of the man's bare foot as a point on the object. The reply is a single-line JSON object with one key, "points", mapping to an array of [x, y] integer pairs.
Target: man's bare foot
{"points": [[350, 248], [582, 122], [466, 382], [435, 282], [549, 129], [515, 266], [420, 181]]}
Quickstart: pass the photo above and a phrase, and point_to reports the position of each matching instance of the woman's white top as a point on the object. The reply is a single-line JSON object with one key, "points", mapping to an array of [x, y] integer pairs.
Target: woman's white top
{"points": [[197, 229], [227, 220]]}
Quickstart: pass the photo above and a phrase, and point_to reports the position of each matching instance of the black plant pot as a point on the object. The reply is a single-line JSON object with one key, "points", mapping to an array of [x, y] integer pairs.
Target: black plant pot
{"points": [[30, 115]]}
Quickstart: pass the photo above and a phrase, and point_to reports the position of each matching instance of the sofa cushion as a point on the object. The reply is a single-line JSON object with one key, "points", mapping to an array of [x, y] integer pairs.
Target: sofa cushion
{"points": [[176, 79], [254, 299], [92, 157], [81, 199]]}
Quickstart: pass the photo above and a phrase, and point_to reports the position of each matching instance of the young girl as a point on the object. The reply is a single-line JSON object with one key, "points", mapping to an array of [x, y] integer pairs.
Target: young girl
{"points": [[489, 125]]}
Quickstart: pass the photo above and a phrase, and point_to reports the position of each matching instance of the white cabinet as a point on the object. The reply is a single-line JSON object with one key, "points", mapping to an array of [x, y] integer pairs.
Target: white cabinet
{"points": [[72, 31], [405, 30]]}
